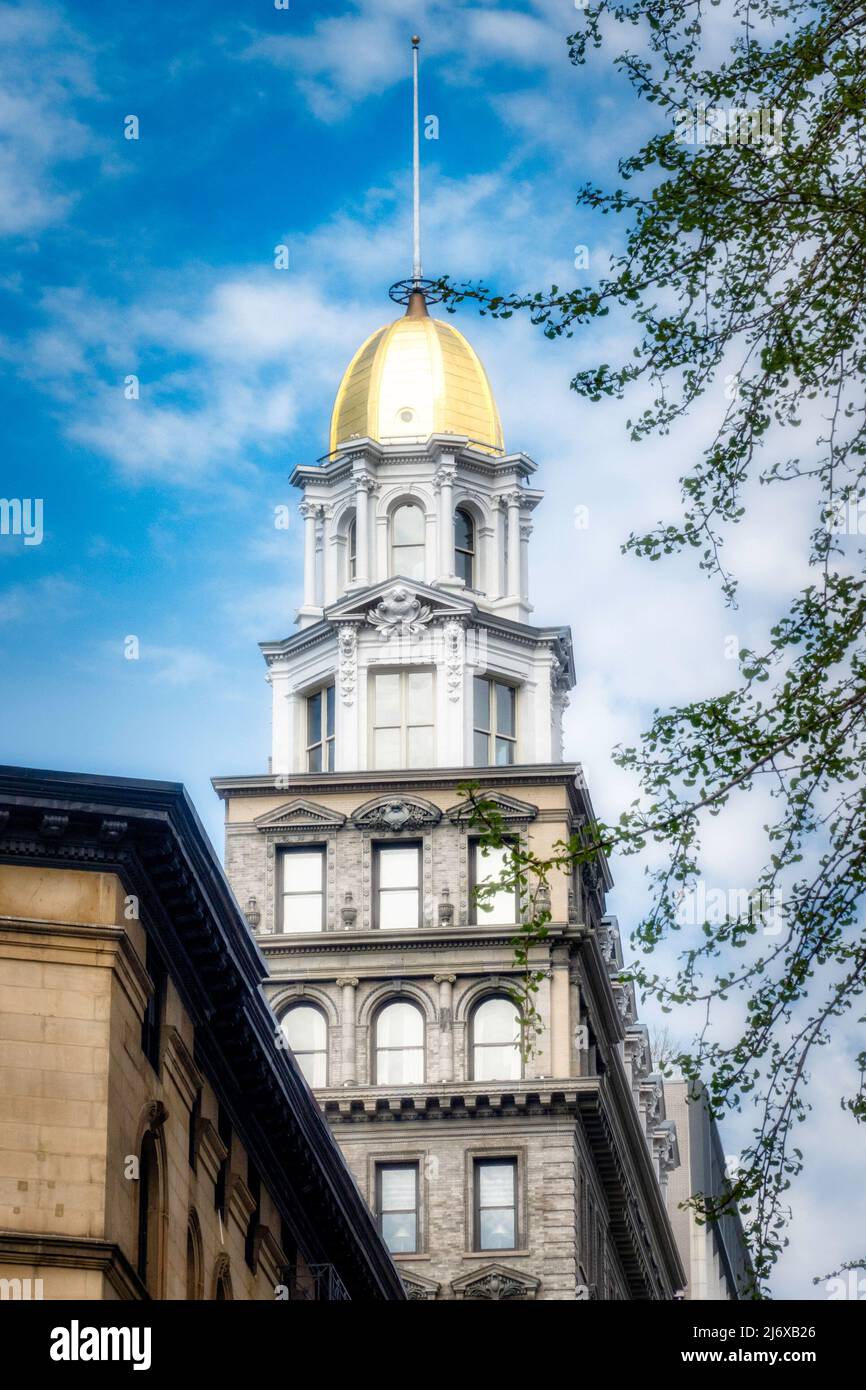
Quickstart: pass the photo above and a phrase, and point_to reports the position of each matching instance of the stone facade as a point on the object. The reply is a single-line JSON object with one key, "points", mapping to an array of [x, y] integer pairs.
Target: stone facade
{"points": [[582, 1121]]}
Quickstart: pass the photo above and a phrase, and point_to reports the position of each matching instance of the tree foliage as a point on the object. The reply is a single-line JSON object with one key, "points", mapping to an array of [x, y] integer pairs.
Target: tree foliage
{"points": [[743, 262]]}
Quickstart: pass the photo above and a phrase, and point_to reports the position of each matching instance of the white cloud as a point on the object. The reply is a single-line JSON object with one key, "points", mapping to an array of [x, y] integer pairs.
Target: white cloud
{"points": [[45, 70]]}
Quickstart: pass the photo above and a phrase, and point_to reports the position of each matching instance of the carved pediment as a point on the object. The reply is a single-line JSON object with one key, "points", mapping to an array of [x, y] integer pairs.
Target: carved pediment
{"points": [[396, 813], [419, 1288], [300, 815], [510, 809], [399, 606], [495, 1283]]}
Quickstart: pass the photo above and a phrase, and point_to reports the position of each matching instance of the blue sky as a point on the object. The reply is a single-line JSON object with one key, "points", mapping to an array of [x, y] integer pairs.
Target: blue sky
{"points": [[155, 257]]}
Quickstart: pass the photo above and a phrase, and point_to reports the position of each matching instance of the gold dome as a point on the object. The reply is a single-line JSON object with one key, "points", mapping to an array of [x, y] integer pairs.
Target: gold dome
{"points": [[413, 378]]}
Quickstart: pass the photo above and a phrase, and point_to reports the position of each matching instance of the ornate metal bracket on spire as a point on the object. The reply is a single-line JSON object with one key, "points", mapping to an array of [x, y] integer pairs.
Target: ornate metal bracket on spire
{"points": [[404, 290]]}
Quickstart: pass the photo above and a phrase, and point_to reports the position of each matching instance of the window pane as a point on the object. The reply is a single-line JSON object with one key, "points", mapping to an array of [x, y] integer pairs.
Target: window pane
{"points": [[419, 747], [504, 752], [386, 748], [497, 1230], [496, 1064], [496, 1184], [495, 1021], [480, 747], [420, 697], [398, 1231], [400, 1068], [314, 759], [463, 567], [463, 530], [314, 718], [398, 909], [302, 912], [314, 1066], [409, 561], [305, 1029], [386, 700], [504, 709], [400, 1025], [398, 866], [408, 526], [501, 909], [398, 1188], [329, 696], [302, 871], [482, 702]]}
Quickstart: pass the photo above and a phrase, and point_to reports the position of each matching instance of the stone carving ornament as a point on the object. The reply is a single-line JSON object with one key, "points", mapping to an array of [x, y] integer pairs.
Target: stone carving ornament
{"points": [[399, 612], [347, 644], [396, 815]]}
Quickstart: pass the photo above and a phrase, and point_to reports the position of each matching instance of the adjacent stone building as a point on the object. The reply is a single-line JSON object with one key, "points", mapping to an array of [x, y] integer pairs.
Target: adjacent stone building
{"points": [[157, 1138], [416, 669], [715, 1254]]}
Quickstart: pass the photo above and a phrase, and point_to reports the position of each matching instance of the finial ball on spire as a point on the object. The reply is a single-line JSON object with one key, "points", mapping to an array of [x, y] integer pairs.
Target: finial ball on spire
{"points": [[415, 40]]}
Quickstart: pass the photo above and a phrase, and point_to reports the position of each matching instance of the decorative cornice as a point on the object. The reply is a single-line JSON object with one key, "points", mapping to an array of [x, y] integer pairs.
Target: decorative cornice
{"points": [[300, 814], [396, 813], [508, 807], [179, 1065], [210, 1150], [495, 1283], [73, 1252]]}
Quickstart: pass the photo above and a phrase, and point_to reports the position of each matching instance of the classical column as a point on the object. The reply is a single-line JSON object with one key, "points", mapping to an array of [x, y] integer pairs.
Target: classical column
{"points": [[348, 984], [282, 736], [309, 511], [363, 485], [329, 556], [446, 1026], [525, 533], [512, 585], [444, 480]]}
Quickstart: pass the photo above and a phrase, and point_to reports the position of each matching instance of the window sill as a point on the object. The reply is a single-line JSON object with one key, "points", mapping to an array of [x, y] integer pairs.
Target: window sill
{"points": [[496, 1255]]}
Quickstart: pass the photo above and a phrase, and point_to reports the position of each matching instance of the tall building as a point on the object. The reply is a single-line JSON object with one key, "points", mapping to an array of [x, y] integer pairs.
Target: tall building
{"points": [[416, 667], [714, 1253], [156, 1141]]}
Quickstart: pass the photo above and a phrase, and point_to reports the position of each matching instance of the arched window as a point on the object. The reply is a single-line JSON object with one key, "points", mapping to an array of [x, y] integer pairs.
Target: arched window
{"points": [[222, 1287], [496, 1041], [464, 547], [306, 1031], [399, 1045], [147, 1263], [194, 1289], [352, 552], [407, 541]]}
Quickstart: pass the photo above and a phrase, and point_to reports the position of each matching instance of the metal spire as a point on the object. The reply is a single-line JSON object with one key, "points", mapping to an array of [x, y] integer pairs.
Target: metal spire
{"points": [[416, 169], [417, 292]]}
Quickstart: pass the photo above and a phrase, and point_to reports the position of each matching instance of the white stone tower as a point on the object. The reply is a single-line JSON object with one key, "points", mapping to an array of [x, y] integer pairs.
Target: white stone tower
{"points": [[415, 668]]}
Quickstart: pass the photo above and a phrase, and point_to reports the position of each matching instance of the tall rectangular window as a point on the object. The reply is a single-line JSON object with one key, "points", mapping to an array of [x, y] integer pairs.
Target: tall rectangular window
{"points": [[397, 1206], [320, 730], [495, 1204], [488, 867], [398, 886], [151, 1023], [494, 723], [302, 880], [403, 719]]}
